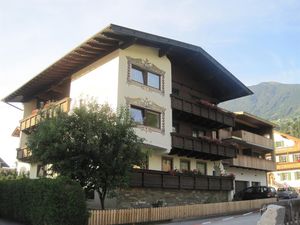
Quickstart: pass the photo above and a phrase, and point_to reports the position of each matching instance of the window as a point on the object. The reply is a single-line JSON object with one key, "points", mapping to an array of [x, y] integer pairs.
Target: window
{"points": [[184, 165], [137, 75], [285, 176], [167, 164], [146, 78], [145, 117], [175, 91], [137, 115], [297, 175], [197, 133], [296, 157], [153, 80], [255, 184], [283, 158], [175, 127], [279, 144], [41, 171], [201, 167]]}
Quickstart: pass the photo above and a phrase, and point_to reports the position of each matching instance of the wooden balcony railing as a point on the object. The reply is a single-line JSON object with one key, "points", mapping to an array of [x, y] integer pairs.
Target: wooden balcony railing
{"points": [[287, 165], [213, 113], [23, 154], [202, 147], [32, 120], [160, 179], [252, 163], [254, 139]]}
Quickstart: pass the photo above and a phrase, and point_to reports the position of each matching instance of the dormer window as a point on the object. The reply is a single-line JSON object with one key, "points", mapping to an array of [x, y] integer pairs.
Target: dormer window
{"points": [[145, 77]]}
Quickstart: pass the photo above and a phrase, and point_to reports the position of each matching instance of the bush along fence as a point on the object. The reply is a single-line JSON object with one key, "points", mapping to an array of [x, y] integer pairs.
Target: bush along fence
{"points": [[133, 216], [43, 201]]}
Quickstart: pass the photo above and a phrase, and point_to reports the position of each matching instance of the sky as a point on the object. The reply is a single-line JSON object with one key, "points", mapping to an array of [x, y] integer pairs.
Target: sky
{"points": [[257, 40]]}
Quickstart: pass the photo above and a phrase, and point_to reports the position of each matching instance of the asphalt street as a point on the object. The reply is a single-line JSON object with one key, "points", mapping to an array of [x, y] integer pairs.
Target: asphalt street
{"points": [[5, 222], [250, 218]]}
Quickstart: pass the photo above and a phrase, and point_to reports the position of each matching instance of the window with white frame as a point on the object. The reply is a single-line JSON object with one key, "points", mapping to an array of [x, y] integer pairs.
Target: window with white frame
{"points": [[279, 144], [296, 157], [297, 175], [283, 158], [285, 176]]}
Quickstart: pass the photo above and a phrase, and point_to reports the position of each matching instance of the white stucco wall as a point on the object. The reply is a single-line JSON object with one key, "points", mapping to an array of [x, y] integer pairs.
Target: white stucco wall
{"points": [[293, 182], [33, 171], [287, 142], [99, 81], [127, 90], [248, 175], [155, 162]]}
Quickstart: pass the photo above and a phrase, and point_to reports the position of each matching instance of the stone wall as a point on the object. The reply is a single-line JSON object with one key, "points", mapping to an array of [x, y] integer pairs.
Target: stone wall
{"points": [[145, 197]]}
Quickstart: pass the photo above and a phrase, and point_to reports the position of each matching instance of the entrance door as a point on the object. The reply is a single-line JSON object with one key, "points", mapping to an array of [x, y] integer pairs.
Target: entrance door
{"points": [[167, 164]]}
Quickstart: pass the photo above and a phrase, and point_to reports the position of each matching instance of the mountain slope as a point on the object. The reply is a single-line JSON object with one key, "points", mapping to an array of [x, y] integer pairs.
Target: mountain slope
{"points": [[271, 100]]}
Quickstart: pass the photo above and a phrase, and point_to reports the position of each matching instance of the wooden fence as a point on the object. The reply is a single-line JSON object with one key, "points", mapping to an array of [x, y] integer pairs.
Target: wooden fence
{"points": [[132, 216]]}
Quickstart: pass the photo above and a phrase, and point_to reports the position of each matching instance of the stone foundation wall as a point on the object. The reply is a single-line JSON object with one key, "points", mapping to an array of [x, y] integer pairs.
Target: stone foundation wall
{"points": [[145, 197]]}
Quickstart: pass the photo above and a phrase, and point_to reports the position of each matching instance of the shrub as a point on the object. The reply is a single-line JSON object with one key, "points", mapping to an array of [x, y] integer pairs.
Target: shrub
{"points": [[43, 201]]}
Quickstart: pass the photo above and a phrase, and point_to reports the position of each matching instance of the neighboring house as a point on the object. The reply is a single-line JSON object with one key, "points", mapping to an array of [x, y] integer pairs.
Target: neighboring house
{"points": [[287, 149], [3, 164], [256, 157], [172, 89]]}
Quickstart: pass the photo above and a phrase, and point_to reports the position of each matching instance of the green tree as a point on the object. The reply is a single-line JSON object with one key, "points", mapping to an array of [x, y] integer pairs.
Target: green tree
{"points": [[290, 126], [93, 145], [11, 174]]}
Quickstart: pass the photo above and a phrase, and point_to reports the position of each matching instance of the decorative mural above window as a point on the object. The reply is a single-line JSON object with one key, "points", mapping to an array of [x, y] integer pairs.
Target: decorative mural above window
{"points": [[148, 115], [146, 75]]}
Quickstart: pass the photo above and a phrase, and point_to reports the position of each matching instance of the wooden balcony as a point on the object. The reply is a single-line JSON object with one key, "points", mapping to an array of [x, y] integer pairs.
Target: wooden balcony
{"points": [[249, 162], [252, 139], [160, 179], [203, 148], [23, 154], [32, 120], [287, 165], [212, 116]]}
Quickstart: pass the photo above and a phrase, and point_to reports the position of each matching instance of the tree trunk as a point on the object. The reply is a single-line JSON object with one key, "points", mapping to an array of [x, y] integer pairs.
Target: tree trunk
{"points": [[102, 198]]}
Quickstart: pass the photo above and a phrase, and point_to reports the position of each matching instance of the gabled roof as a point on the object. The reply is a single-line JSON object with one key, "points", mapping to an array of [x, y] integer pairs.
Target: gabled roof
{"points": [[114, 37], [3, 164], [287, 136]]}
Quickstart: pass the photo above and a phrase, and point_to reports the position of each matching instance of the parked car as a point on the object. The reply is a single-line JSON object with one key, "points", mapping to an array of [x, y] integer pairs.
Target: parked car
{"points": [[255, 192], [288, 192]]}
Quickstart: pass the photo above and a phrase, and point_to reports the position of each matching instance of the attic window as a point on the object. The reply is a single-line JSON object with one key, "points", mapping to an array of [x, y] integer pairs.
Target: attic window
{"points": [[143, 73], [145, 77]]}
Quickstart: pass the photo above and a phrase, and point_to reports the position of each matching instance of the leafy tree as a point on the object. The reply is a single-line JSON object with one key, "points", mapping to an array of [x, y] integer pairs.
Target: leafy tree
{"points": [[92, 145], [11, 174], [290, 126]]}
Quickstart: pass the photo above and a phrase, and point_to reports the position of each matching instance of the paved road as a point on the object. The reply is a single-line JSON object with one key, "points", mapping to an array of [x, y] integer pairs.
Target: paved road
{"points": [[250, 218], [5, 222]]}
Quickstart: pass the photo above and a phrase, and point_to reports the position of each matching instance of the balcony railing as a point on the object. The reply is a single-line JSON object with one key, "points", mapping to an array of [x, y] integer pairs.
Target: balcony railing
{"points": [[160, 179], [254, 139], [287, 165], [33, 120], [252, 163], [218, 116], [23, 154], [201, 147]]}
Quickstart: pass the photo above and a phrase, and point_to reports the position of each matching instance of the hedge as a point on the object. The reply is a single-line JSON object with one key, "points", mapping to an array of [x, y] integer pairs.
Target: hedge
{"points": [[43, 201]]}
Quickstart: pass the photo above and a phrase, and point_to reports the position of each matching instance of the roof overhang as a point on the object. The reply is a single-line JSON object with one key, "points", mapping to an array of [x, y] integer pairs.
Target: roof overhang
{"points": [[115, 37], [253, 120]]}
